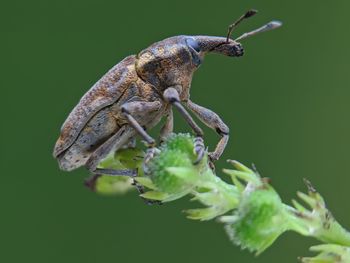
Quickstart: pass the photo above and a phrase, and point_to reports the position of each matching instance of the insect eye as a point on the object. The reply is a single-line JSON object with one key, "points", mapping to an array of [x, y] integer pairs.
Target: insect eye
{"points": [[193, 44]]}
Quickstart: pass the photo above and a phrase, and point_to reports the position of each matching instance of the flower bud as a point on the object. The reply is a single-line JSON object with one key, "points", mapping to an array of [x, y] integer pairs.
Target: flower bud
{"points": [[172, 171], [259, 219]]}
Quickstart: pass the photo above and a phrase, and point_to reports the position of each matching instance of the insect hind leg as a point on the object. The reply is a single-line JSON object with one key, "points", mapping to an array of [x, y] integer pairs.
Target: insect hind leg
{"points": [[113, 172], [91, 182], [114, 143]]}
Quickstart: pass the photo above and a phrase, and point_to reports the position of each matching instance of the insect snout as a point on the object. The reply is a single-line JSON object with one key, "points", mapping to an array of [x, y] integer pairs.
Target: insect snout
{"points": [[232, 49], [238, 50]]}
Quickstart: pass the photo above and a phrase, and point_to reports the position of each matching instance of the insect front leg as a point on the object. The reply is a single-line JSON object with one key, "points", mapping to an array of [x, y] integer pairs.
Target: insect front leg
{"points": [[141, 109], [168, 127], [212, 120], [171, 95]]}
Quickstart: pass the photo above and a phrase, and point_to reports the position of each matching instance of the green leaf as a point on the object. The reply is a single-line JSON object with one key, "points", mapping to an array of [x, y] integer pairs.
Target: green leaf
{"points": [[201, 213], [155, 195], [329, 253], [145, 181]]}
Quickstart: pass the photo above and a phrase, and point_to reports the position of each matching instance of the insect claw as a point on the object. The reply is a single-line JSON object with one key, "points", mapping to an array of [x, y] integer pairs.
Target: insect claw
{"points": [[211, 165], [151, 152], [151, 202], [141, 191], [199, 149], [91, 182], [200, 156]]}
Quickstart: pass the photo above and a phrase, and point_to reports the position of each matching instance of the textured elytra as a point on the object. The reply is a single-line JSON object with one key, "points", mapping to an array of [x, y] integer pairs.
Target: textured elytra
{"points": [[141, 79], [105, 92]]}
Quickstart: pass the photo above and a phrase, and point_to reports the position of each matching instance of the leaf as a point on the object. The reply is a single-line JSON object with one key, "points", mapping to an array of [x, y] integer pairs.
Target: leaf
{"points": [[155, 195], [201, 213], [145, 181]]}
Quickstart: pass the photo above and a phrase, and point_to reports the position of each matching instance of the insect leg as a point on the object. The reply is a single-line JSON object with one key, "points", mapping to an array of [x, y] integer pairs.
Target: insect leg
{"points": [[91, 182], [171, 95], [112, 172], [212, 120], [168, 127], [141, 107], [114, 143]]}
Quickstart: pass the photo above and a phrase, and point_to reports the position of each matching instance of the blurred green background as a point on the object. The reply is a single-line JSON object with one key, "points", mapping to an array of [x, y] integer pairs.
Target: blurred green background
{"points": [[286, 102]]}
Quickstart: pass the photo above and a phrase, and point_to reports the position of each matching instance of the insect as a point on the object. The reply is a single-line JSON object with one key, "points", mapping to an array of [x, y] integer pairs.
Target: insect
{"points": [[136, 93]]}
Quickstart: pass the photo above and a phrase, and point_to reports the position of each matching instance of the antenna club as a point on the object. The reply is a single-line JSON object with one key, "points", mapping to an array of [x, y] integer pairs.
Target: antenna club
{"points": [[250, 13], [275, 24], [264, 28]]}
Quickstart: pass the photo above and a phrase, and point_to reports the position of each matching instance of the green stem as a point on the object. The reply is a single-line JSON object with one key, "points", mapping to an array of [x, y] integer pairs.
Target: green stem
{"points": [[321, 226], [219, 196], [335, 234], [256, 214]]}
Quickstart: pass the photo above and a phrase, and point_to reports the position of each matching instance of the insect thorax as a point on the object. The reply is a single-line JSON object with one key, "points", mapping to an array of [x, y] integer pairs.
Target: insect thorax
{"points": [[166, 63]]}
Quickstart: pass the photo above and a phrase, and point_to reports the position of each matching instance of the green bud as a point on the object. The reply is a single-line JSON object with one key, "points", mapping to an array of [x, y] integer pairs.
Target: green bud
{"points": [[258, 216], [113, 185], [316, 220], [259, 219], [329, 253], [172, 170], [182, 142]]}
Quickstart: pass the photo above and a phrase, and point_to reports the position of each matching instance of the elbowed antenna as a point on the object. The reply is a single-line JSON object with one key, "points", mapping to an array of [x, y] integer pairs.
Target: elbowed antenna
{"points": [[248, 14], [267, 27]]}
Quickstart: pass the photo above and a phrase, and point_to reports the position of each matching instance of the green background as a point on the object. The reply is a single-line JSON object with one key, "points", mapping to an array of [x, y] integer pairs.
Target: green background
{"points": [[286, 102]]}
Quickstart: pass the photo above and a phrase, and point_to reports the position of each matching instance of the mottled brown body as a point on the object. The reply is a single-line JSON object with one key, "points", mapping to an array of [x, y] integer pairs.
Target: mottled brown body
{"points": [[136, 93], [108, 117], [140, 78]]}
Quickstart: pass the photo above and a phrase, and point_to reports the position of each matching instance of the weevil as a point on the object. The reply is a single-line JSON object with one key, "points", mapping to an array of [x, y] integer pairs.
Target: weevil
{"points": [[136, 93]]}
